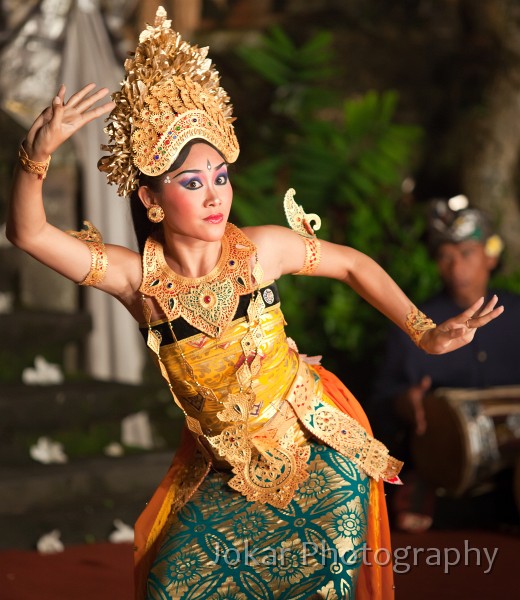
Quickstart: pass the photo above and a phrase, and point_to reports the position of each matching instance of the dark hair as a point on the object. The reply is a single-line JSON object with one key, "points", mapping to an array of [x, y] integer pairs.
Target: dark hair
{"points": [[143, 227]]}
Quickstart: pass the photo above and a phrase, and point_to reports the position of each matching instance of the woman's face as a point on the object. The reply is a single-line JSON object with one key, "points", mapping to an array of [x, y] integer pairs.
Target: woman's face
{"points": [[196, 198]]}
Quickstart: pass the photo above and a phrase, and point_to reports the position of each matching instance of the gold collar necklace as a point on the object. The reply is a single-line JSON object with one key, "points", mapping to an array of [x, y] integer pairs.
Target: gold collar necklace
{"points": [[207, 303]]}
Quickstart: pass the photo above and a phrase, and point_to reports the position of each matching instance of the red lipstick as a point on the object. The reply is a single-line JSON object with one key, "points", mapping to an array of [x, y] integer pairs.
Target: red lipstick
{"points": [[215, 219]]}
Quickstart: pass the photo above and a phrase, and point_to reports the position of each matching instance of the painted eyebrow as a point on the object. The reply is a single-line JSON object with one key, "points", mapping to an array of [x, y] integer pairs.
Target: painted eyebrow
{"points": [[199, 170], [187, 171]]}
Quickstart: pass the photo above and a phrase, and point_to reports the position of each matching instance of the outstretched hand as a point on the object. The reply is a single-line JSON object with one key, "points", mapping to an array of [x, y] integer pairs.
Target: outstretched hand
{"points": [[62, 119], [460, 330]]}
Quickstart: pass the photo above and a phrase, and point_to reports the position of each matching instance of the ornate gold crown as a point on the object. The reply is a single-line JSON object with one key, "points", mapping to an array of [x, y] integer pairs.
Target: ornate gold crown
{"points": [[170, 95]]}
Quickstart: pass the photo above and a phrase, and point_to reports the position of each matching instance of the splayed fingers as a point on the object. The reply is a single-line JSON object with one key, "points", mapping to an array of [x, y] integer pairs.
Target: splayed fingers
{"points": [[479, 315], [63, 119], [76, 98], [460, 330], [82, 102]]}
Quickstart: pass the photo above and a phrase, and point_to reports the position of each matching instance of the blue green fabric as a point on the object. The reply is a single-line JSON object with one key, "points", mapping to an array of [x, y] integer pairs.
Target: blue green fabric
{"points": [[221, 546]]}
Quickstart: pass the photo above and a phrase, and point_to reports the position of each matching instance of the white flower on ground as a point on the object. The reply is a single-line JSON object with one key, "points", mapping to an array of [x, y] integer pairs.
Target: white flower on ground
{"points": [[123, 533], [43, 373], [47, 451], [113, 449], [50, 543]]}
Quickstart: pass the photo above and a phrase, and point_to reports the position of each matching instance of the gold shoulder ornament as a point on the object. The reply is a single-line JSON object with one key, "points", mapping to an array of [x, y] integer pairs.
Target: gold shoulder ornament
{"points": [[305, 225], [297, 218]]}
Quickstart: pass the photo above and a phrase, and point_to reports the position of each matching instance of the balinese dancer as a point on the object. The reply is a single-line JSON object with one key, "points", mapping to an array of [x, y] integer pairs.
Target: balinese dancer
{"points": [[277, 488]]}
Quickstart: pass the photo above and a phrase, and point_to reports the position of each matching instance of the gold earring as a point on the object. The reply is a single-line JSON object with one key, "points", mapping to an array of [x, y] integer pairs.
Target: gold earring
{"points": [[155, 213]]}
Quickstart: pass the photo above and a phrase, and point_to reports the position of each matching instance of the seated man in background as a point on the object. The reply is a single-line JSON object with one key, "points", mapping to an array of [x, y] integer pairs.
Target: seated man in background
{"points": [[466, 253]]}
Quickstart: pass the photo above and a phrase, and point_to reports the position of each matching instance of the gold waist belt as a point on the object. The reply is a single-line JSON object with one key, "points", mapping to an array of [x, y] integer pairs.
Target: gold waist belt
{"points": [[268, 464], [339, 431]]}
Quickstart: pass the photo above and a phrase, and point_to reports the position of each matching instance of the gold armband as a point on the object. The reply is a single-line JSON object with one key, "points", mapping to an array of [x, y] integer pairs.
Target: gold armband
{"points": [[312, 256], [31, 166], [417, 324], [99, 260]]}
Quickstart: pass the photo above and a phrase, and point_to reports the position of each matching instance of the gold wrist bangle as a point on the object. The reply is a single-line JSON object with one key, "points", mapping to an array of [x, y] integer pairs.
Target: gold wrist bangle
{"points": [[31, 166], [417, 324]]}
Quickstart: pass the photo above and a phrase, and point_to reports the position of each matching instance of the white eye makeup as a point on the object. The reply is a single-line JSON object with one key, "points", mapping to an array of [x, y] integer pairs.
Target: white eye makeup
{"points": [[167, 179]]}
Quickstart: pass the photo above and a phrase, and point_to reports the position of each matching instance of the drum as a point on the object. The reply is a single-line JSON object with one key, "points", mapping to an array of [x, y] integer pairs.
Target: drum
{"points": [[470, 435]]}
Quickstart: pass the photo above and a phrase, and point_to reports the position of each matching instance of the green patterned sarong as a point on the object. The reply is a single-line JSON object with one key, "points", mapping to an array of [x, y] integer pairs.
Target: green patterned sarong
{"points": [[220, 546]]}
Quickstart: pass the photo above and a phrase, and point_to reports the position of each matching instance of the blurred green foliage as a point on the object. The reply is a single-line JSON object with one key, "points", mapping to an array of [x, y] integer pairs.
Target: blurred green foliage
{"points": [[347, 159], [509, 281]]}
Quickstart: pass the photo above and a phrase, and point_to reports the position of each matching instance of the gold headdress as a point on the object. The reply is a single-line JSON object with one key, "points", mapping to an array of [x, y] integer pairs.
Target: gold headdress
{"points": [[170, 95]]}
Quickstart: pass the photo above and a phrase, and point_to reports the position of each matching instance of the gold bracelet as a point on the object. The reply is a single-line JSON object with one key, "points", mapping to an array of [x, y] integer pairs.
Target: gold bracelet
{"points": [[31, 166], [417, 324], [312, 256]]}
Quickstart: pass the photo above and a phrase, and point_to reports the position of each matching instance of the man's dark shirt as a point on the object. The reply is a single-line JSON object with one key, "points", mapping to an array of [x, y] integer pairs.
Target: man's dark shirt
{"points": [[491, 359]]}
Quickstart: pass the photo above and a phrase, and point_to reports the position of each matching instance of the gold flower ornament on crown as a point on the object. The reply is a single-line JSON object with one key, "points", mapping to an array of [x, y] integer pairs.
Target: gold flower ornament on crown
{"points": [[171, 95]]}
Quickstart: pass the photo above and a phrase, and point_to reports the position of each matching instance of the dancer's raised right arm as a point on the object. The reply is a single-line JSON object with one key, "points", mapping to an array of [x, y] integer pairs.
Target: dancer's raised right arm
{"points": [[27, 226]]}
